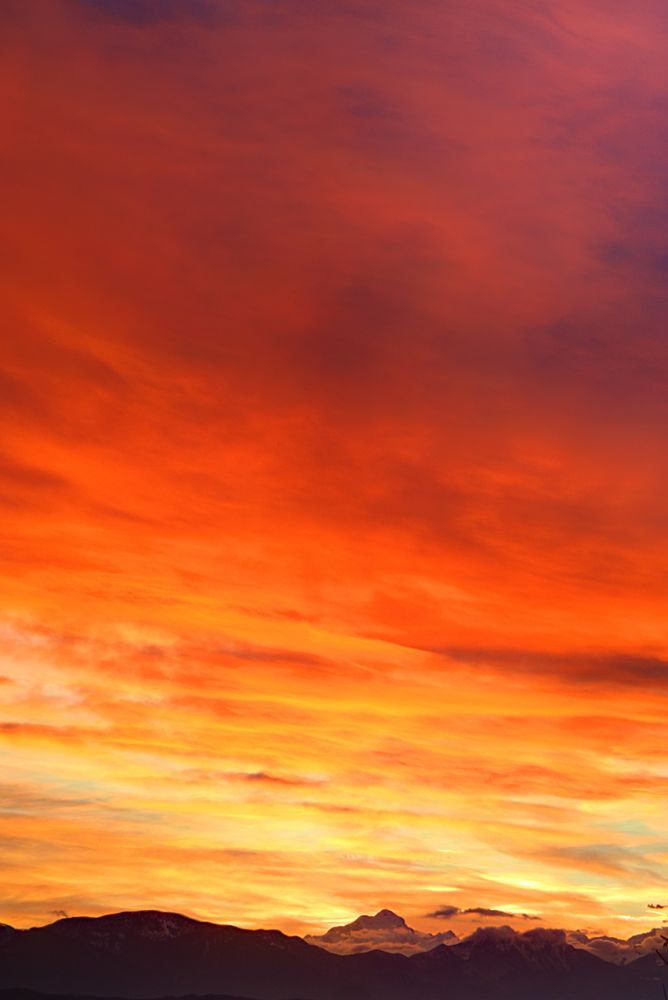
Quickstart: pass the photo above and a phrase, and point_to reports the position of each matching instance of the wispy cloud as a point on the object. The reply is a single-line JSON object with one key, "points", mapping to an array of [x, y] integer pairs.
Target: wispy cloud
{"points": [[448, 912], [333, 459]]}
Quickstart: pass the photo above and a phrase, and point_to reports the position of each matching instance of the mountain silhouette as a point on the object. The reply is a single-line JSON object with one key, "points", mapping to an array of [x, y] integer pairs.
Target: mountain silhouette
{"points": [[149, 954]]}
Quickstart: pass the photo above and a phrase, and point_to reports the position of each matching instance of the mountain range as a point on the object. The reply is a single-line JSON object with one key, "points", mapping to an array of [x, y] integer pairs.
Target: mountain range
{"points": [[153, 954], [149, 954], [386, 931]]}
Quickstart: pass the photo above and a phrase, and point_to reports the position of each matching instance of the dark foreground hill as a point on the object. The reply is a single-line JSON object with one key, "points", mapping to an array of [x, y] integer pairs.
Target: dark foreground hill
{"points": [[151, 954], [32, 995]]}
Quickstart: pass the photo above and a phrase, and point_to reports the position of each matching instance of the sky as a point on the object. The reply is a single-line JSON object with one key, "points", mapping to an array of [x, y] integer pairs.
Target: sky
{"points": [[333, 469]]}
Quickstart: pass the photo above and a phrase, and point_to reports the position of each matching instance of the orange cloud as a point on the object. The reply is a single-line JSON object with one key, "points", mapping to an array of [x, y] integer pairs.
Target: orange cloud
{"points": [[332, 477]]}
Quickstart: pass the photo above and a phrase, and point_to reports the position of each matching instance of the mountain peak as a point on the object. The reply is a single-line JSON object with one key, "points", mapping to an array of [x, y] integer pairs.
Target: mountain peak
{"points": [[384, 931], [381, 921]]}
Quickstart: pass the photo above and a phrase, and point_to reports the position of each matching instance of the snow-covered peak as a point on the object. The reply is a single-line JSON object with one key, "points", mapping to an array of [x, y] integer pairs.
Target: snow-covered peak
{"points": [[385, 931], [381, 921]]}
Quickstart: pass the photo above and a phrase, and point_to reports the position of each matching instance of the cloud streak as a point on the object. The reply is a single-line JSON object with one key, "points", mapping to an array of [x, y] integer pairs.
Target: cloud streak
{"points": [[448, 912], [332, 468]]}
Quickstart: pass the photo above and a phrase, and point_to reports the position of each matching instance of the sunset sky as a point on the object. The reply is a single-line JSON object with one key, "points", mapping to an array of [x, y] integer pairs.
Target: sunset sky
{"points": [[334, 460]]}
